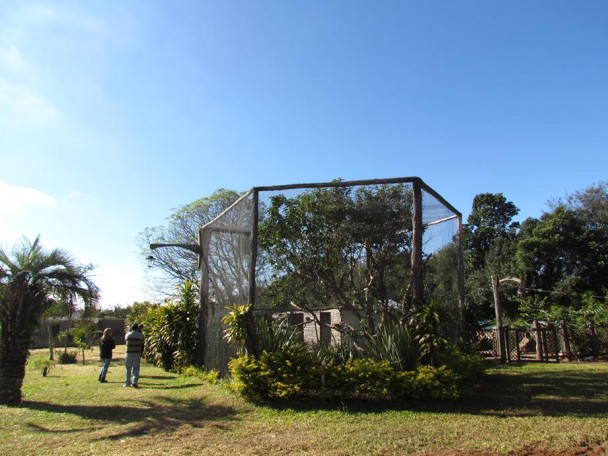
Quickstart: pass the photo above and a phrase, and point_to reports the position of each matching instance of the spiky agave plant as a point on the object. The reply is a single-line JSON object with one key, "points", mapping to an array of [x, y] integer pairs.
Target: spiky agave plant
{"points": [[394, 342]]}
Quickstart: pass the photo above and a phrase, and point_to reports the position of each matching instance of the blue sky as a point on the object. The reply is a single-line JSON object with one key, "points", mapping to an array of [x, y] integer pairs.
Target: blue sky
{"points": [[114, 113]]}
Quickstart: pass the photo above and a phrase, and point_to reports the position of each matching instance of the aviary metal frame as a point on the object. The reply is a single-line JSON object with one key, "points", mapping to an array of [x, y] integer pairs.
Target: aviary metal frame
{"points": [[239, 224]]}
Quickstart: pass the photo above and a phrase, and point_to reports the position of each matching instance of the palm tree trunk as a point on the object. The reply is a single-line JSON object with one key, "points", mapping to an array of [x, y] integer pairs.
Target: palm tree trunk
{"points": [[13, 356]]}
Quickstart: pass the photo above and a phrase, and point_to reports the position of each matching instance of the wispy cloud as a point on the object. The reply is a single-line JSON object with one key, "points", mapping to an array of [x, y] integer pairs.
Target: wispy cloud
{"points": [[16, 200], [24, 104], [12, 58], [66, 17], [40, 67]]}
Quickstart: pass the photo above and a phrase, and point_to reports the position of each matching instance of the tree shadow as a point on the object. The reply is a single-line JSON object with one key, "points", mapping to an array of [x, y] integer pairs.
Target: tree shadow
{"points": [[158, 414], [160, 377], [545, 393], [157, 386], [503, 393]]}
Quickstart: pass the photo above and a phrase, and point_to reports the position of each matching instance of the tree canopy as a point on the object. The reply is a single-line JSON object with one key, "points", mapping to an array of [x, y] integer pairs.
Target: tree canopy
{"points": [[565, 251], [340, 246], [176, 265], [561, 257]]}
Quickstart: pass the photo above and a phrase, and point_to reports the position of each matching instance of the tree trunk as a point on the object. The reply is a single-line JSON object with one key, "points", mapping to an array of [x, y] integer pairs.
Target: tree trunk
{"points": [[50, 330], [13, 357]]}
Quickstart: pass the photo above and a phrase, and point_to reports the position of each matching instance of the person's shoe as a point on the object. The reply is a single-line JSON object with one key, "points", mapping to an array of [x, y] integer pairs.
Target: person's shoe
{"points": [[135, 385], [102, 380]]}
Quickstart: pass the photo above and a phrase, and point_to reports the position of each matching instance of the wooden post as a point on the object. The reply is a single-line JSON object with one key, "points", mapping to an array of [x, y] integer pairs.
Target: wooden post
{"points": [[498, 310], [565, 340], [555, 344], [546, 332], [251, 333], [417, 290], [593, 340], [461, 286], [517, 344], [204, 236], [507, 344], [539, 340]]}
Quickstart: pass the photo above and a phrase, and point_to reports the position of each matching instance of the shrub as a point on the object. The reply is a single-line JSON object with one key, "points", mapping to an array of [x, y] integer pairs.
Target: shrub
{"points": [[468, 368], [44, 364], [171, 329], [67, 357], [358, 378], [283, 374], [431, 325], [434, 383], [289, 374], [235, 322], [211, 376]]}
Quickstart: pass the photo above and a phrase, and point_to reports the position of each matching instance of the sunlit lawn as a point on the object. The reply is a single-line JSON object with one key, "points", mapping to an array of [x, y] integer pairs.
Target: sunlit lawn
{"points": [[557, 407]]}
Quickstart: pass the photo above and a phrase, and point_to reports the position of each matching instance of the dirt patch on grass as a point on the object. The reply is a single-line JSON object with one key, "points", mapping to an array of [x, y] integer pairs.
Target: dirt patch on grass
{"points": [[597, 449]]}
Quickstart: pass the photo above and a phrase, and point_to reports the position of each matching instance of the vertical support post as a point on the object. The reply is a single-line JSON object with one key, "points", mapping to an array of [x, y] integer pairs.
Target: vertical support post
{"points": [[416, 256], [460, 280], [507, 343], [251, 342], [539, 340], [593, 340], [204, 236], [555, 343], [498, 311], [546, 332], [565, 340]]}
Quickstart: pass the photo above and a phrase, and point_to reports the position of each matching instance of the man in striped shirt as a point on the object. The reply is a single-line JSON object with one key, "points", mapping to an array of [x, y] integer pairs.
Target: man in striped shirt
{"points": [[135, 349]]}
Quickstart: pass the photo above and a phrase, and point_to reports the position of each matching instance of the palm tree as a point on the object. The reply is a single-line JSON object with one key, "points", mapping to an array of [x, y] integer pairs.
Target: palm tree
{"points": [[30, 280]]}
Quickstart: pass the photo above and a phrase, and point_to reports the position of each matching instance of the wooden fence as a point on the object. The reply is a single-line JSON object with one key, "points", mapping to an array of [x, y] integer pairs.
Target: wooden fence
{"points": [[556, 342]]}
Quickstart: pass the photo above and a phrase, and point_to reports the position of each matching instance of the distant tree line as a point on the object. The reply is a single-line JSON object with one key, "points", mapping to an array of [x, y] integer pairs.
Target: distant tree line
{"points": [[560, 258]]}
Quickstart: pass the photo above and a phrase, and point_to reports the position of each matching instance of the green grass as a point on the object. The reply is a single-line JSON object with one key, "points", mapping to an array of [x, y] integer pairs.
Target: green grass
{"points": [[540, 407]]}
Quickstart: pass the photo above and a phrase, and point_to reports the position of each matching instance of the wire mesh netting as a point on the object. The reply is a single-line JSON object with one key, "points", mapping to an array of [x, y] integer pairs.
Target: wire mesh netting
{"points": [[340, 245]]}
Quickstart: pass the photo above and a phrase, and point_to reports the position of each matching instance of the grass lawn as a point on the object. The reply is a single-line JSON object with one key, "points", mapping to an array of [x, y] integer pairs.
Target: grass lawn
{"points": [[522, 409]]}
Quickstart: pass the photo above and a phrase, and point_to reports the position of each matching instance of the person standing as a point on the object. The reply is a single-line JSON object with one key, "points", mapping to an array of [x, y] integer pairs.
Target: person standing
{"points": [[106, 345], [135, 349]]}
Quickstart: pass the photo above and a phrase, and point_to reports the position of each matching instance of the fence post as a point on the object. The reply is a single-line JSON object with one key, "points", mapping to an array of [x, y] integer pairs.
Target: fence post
{"points": [[555, 344], [565, 340], [507, 346], [593, 339], [517, 341], [498, 311], [539, 340]]}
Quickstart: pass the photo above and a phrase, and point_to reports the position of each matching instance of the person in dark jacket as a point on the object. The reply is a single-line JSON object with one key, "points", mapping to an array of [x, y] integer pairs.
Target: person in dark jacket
{"points": [[106, 345]]}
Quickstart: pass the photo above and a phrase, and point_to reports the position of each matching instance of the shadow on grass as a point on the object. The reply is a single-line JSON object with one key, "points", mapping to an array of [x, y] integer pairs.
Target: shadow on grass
{"points": [[158, 386], [145, 417], [160, 377], [506, 392]]}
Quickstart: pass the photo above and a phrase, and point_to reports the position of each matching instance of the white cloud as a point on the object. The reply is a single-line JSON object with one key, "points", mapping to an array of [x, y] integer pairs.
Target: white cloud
{"points": [[16, 200], [24, 103], [12, 59], [66, 17]]}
